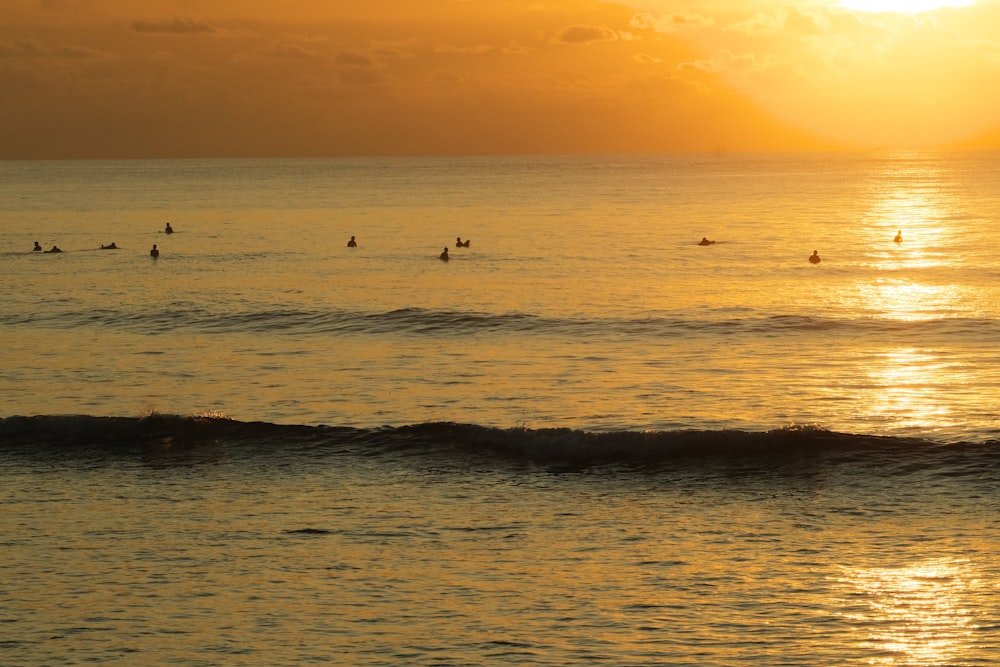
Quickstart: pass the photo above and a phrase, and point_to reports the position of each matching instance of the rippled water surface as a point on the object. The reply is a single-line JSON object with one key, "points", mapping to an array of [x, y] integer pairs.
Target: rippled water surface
{"points": [[583, 300], [584, 439], [441, 558]]}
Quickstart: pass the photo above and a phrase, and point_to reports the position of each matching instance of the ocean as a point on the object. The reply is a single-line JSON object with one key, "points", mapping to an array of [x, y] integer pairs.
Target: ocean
{"points": [[583, 439]]}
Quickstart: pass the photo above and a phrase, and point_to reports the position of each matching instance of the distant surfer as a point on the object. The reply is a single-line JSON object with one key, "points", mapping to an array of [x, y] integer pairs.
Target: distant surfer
{"points": [[37, 247], [459, 243], [154, 253], [444, 255], [110, 246], [705, 241], [899, 237], [352, 243], [55, 248], [169, 229], [814, 258]]}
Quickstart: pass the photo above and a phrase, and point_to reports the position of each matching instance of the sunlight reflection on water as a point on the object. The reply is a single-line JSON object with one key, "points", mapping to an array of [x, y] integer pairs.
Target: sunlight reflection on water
{"points": [[916, 614], [906, 387]]}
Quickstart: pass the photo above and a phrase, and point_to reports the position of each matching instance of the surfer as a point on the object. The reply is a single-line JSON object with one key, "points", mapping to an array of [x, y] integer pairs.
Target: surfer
{"points": [[154, 253], [444, 255], [705, 241], [37, 247], [110, 246], [899, 237], [814, 258], [459, 243], [352, 243], [55, 248], [169, 229]]}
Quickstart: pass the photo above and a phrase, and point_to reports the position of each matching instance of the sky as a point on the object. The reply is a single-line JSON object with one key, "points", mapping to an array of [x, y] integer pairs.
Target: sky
{"points": [[241, 78]]}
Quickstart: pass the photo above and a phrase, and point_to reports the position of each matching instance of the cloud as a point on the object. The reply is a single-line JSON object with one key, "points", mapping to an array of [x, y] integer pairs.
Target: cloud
{"points": [[74, 52], [646, 59], [513, 48], [670, 22], [361, 76], [724, 60], [22, 48], [353, 59], [175, 27], [447, 79], [25, 48], [279, 50], [389, 53], [510, 48], [585, 34], [762, 24], [475, 50], [665, 86], [358, 69]]}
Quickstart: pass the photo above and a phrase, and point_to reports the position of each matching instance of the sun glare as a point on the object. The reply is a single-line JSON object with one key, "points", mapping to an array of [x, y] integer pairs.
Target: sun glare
{"points": [[902, 6], [916, 615]]}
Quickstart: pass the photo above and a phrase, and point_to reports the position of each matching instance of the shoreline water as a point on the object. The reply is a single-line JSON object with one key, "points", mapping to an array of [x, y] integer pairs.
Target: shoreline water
{"points": [[214, 542]]}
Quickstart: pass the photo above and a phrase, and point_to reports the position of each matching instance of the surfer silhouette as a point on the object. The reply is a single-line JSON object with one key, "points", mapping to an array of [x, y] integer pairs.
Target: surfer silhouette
{"points": [[154, 253], [169, 229], [814, 258], [352, 243], [55, 248], [705, 241], [110, 246], [899, 237], [459, 243], [37, 247], [444, 255]]}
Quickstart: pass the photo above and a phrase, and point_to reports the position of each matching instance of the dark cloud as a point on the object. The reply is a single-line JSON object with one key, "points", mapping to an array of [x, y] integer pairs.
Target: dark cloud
{"points": [[278, 50], [174, 27], [353, 59], [585, 34], [24, 48], [76, 52], [361, 76], [476, 49]]}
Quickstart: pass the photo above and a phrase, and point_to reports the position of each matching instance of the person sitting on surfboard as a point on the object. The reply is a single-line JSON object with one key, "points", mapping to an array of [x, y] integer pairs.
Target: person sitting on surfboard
{"points": [[814, 258], [444, 255], [899, 237], [154, 253], [459, 243], [37, 247], [352, 243], [169, 229]]}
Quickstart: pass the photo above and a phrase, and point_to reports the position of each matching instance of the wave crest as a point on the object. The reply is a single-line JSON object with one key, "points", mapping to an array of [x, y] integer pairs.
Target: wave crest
{"points": [[70, 435]]}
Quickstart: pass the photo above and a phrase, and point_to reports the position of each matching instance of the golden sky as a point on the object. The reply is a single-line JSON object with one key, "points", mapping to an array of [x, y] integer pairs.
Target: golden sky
{"points": [[120, 78]]}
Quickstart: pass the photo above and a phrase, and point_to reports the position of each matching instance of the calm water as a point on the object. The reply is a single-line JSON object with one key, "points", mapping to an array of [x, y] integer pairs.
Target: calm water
{"points": [[584, 439]]}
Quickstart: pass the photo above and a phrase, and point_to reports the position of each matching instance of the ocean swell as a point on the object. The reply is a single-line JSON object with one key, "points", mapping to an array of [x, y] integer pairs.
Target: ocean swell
{"points": [[181, 317], [71, 435]]}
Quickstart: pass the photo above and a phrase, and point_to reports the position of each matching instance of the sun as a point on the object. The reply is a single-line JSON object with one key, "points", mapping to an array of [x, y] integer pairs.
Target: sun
{"points": [[902, 6]]}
